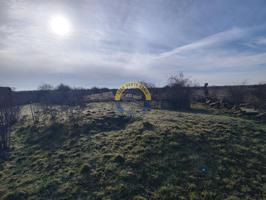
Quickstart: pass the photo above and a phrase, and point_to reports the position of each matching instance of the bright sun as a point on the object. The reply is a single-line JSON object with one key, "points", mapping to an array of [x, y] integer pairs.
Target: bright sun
{"points": [[60, 25]]}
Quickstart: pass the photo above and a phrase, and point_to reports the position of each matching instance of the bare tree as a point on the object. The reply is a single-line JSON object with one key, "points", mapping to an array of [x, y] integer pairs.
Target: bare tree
{"points": [[147, 84], [8, 116], [45, 87], [180, 80], [178, 90]]}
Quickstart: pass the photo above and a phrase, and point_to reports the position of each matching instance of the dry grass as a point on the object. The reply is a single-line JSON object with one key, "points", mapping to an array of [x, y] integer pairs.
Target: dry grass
{"points": [[95, 153]]}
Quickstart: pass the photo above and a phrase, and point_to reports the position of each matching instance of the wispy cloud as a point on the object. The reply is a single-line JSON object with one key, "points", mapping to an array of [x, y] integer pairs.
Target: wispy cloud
{"points": [[114, 42], [207, 42], [260, 40]]}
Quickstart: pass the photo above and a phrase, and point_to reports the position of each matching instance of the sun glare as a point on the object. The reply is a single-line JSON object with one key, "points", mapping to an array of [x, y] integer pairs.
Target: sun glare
{"points": [[59, 25]]}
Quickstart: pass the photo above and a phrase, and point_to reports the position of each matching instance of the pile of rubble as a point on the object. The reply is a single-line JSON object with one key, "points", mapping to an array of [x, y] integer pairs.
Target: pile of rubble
{"points": [[242, 110]]}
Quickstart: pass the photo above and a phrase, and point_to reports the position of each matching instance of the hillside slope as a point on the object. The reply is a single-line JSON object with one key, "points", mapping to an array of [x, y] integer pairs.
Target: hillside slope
{"points": [[97, 154]]}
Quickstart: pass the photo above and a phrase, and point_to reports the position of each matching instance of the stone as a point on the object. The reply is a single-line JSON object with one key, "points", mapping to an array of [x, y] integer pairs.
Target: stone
{"points": [[261, 116], [249, 111], [213, 104]]}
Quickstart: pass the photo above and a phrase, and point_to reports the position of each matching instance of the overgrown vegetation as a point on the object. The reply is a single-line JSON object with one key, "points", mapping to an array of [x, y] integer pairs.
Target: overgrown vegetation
{"points": [[8, 116], [95, 153], [178, 92]]}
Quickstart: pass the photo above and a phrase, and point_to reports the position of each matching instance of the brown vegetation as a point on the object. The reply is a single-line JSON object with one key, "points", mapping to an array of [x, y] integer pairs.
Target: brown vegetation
{"points": [[8, 116]]}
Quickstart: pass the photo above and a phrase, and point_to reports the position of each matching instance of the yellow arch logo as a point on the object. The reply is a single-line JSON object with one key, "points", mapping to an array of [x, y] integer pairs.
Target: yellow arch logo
{"points": [[133, 85]]}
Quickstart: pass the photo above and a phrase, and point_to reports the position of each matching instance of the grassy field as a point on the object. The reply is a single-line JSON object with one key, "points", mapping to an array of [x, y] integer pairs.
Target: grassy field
{"points": [[95, 153]]}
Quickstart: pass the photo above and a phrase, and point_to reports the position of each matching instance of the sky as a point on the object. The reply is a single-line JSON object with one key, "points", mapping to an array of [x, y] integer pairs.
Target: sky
{"points": [[106, 43]]}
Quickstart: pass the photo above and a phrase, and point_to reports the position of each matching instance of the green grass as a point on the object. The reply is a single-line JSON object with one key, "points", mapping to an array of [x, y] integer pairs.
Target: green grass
{"points": [[97, 154]]}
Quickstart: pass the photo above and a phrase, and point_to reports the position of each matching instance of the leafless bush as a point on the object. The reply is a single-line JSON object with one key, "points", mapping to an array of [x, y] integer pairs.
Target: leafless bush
{"points": [[178, 92], [178, 81], [61, 95], [45, 87], [8, 116]]}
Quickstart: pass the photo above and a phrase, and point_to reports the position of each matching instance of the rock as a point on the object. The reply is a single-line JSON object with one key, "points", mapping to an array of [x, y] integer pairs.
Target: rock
{"points": [[261, 116], [147, 125], [217, 104], [235, 107], [243, 104], [208, 101], [110, 113], [228, 106], [213, 104], [249, 111]]}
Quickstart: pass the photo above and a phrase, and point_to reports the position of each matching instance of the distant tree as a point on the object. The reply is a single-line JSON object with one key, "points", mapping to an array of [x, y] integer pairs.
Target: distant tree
{"points": [[104, 89], [62, 87], [44, 94], [45, 87], [62, 94], [147, 84], [178, 91], [94, 90], [179, 80], [244, 82]]}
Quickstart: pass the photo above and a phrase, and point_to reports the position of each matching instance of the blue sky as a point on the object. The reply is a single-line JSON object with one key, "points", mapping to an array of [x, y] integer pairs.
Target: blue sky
{"points": [[111, 42]]}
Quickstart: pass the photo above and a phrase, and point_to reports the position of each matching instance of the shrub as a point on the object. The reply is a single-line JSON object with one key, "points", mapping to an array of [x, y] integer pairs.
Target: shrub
{"points": [[237, 94], [85, 169], [178, 89], [48, 189], [17, 195], [179, 80]]}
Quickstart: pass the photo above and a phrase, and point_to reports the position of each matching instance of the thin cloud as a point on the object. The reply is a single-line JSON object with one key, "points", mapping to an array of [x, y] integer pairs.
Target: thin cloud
{"points": [[210, 41], [114, 42]]}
